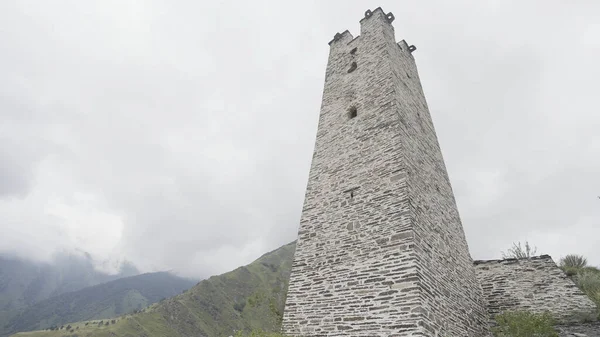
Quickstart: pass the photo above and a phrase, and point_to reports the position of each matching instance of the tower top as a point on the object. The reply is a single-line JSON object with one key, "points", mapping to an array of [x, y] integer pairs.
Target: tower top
{"points": [[377, 14], [373, 21], [389, 17]]}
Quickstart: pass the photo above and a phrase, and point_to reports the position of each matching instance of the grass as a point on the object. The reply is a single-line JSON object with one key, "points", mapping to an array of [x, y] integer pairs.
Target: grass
{"points": [[588, 280], [524, 324]]}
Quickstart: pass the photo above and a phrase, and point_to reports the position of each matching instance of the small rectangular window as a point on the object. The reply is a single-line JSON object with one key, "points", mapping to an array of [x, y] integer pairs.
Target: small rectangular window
{"points": [[353, 67], [352, 112]]}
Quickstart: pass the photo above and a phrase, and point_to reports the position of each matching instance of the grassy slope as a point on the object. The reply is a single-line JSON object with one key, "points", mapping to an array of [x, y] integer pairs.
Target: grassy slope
{"points": [[588, 280], [250, 297], [99, 302]]}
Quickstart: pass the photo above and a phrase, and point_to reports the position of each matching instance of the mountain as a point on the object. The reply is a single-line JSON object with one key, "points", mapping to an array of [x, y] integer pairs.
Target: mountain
{"points": [[247, 298], [102, 301], [24, 283]]}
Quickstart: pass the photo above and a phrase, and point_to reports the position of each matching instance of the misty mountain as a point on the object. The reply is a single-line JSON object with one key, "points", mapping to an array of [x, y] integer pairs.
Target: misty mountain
{"points": [[247, 298], [101, 301], [24, 283]]}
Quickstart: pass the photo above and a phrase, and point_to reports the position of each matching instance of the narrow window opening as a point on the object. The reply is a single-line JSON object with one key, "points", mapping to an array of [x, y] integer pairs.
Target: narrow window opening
{"points": [[352, 112], [352, 67], [353, 51], [352, 195]]}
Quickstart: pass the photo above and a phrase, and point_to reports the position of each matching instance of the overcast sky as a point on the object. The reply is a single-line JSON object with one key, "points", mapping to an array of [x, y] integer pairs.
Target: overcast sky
{"points": [[179, 134]]}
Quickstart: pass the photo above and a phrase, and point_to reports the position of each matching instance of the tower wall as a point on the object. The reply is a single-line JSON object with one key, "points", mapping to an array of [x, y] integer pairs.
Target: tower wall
{"points": [[381, 250]]}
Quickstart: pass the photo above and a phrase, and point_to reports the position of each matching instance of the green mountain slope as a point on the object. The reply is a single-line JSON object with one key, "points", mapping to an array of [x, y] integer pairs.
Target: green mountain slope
{"points": [[99, 302], [24, 283], [247, 298]]}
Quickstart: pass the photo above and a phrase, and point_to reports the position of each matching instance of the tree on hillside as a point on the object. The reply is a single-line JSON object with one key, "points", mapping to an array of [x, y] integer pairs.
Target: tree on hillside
{"points": [[519, 252]]}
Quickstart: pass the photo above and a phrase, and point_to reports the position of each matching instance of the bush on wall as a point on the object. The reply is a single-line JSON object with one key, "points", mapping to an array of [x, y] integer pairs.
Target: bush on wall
{"points": [[524, 324]]}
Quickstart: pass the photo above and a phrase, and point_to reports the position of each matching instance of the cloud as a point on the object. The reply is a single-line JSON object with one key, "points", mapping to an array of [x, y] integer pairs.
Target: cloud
{"points": [[179, 136], [15, 177]]}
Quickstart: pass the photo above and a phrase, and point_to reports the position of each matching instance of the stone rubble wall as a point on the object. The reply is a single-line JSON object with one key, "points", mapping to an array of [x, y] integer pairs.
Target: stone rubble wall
{"points": [[580, 330], [535, 284]]}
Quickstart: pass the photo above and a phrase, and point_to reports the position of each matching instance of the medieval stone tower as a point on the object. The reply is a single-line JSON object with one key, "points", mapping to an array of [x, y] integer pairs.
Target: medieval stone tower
{"points": [[381, 249]]}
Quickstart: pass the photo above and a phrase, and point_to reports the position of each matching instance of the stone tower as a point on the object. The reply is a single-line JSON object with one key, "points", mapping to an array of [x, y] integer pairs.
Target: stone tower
{"points": [[381, 249]]}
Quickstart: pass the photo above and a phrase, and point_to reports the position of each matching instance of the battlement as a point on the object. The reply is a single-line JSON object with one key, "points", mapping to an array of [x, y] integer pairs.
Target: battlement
{"points": [[374, 22], [379, 14], [370, 22], [342, 37]]}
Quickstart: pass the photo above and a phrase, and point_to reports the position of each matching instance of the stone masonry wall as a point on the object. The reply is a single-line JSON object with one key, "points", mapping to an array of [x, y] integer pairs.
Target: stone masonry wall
{"points": [[535, 284], [381, 250], [580, 330]]}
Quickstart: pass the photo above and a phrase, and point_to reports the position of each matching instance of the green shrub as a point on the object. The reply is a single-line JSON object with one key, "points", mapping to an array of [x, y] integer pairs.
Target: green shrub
{"points": [[570, 271], [524, 324], [573, 261]]}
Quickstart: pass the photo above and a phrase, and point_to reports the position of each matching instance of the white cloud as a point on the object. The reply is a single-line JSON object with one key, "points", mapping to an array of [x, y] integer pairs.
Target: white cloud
{"points": [[180, 135]]}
